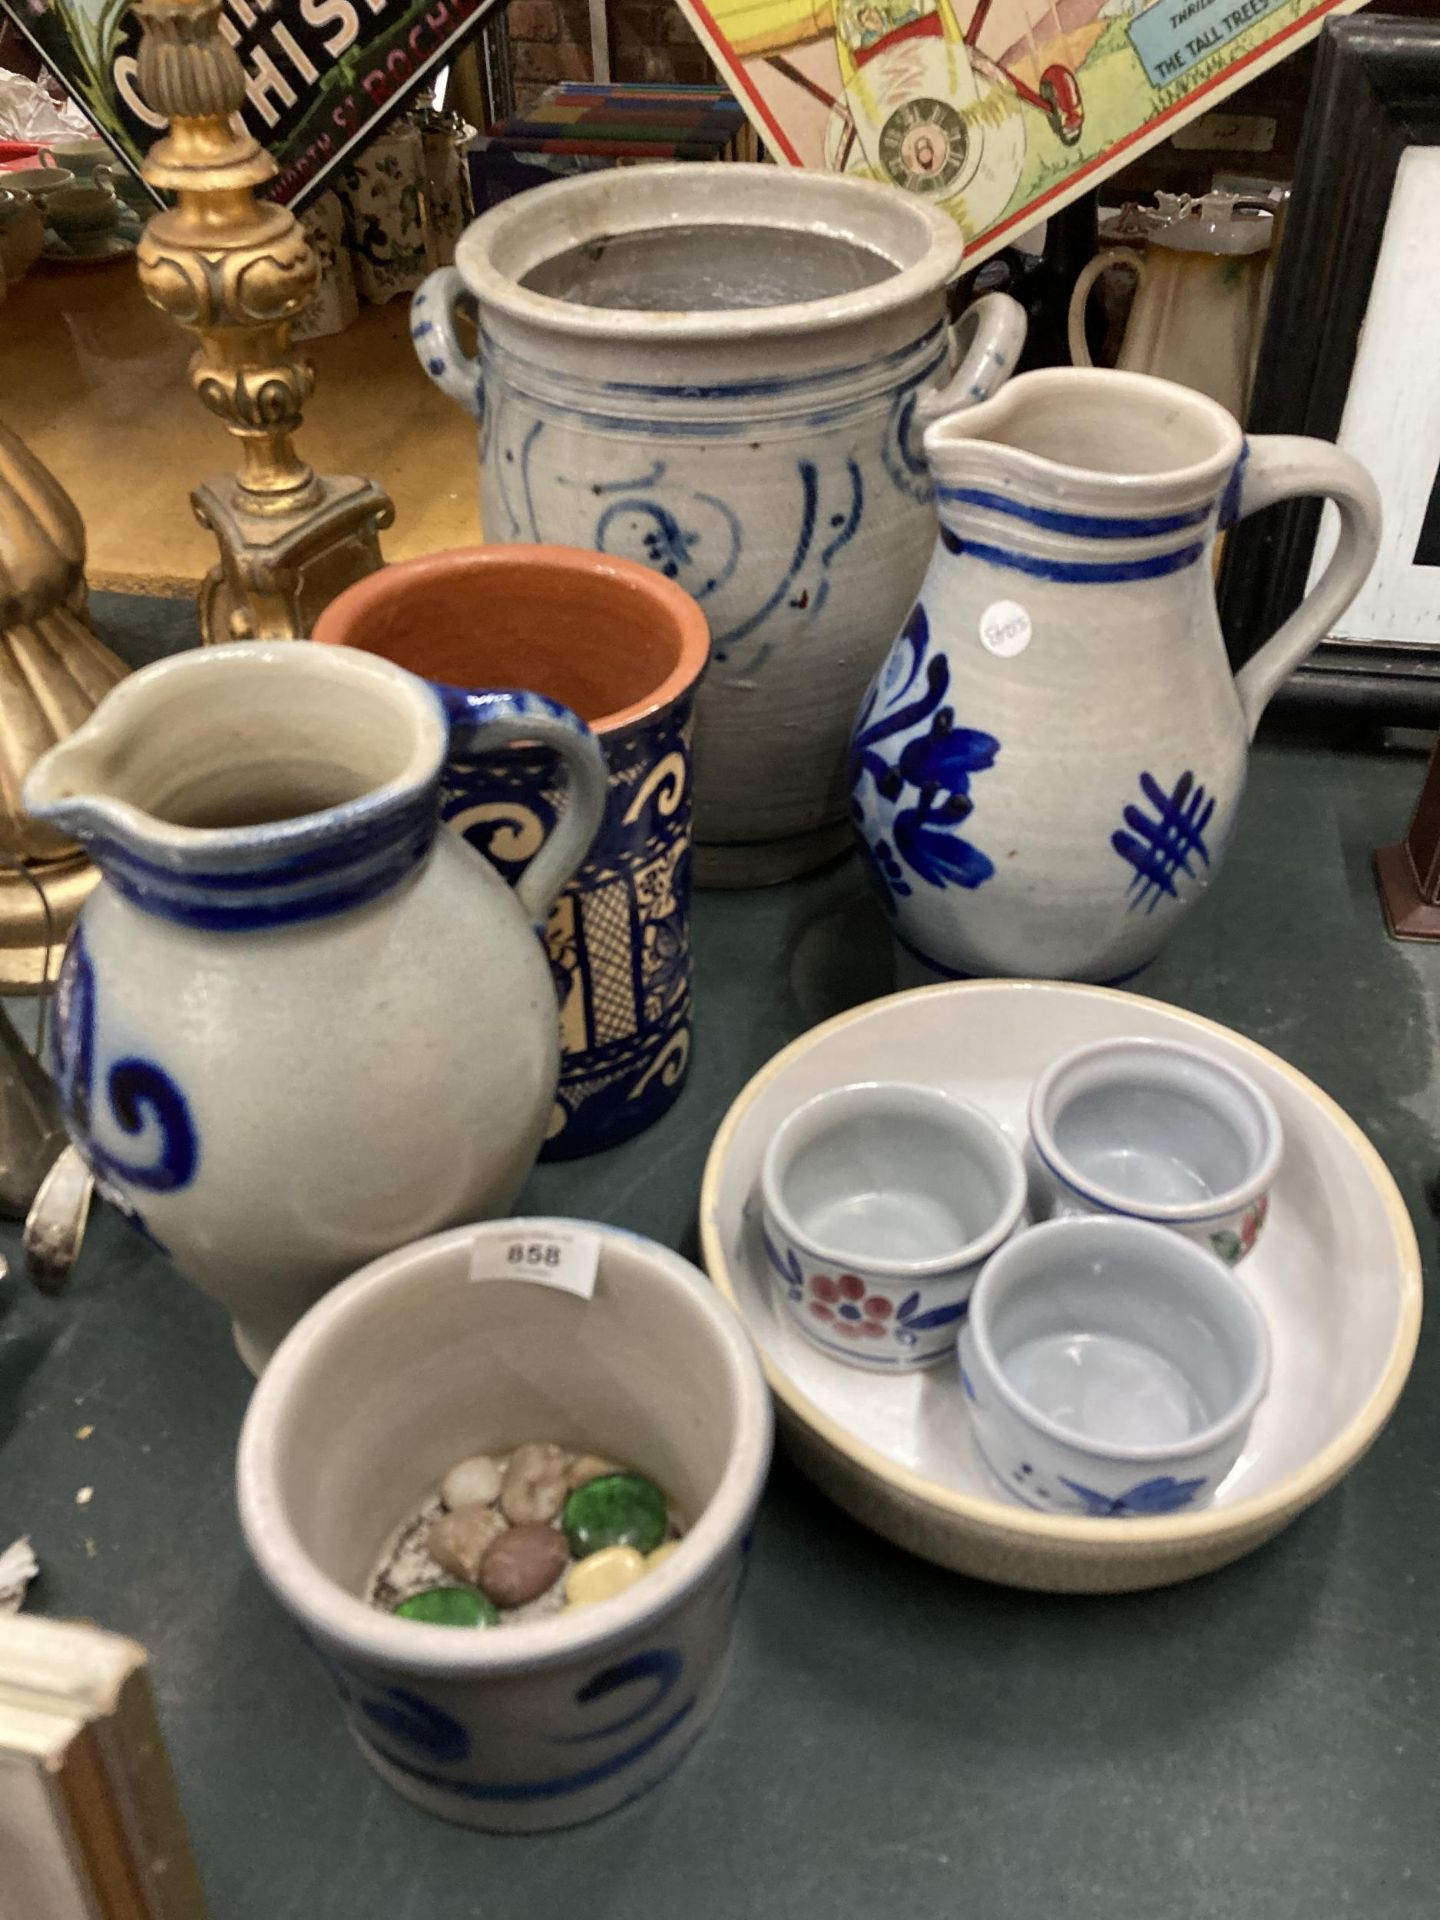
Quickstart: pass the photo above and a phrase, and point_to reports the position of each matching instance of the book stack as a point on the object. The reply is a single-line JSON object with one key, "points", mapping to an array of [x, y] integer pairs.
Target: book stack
{"points": [[579, 127]]}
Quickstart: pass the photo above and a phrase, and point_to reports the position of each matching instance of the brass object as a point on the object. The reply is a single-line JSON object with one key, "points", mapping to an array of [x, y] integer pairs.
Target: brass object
{"points": [[53, 672], [236, 271]]}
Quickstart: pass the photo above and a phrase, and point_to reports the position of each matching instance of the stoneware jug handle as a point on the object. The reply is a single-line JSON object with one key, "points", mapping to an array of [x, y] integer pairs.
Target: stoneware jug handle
{"points": [[1282, 466], [432, 329], [1080, 295], [985, 343], [486, 722]]}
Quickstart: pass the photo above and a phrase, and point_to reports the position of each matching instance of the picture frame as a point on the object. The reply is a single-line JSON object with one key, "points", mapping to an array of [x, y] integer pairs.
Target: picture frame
{"points": [[1340, 359]]}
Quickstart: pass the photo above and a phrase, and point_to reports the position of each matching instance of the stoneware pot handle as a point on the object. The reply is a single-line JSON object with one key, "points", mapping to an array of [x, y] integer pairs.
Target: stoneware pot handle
{"points": [[487, 722], [1284, 466], [985, 343], [1080, 295], [432, 329]]}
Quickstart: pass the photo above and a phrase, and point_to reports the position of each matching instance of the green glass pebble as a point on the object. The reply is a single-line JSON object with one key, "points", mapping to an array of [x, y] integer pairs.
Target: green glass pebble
{"points": [[617, 1510], [449, 1607]]}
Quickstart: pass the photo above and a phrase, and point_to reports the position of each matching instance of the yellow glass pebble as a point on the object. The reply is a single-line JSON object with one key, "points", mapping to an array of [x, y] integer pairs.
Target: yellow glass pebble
{"points": [[659, 1555], [600, 1576]]}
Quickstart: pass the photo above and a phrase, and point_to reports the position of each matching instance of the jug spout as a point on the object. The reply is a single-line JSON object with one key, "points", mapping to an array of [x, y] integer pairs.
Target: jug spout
{"points": [[68, 786], [1075, 468], [249, 786]]}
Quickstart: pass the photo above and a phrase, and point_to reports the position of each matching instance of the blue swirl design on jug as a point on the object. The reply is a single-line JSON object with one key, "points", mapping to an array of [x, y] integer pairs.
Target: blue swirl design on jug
{"points": [[911, 767], [418, 1737], [1163, 843], [618, 937], [135, 1095]]}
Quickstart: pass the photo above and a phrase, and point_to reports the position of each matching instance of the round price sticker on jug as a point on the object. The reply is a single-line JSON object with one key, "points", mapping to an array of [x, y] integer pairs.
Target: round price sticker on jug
{"points": [[1005, 628]]}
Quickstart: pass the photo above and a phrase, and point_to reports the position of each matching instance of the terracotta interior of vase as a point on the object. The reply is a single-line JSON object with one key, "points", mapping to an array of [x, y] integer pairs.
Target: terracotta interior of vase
{"points": [[597, 643], [708, 268]]}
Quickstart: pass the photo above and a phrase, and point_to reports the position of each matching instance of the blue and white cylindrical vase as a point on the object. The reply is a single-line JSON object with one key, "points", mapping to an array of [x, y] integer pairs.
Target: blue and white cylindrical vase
{"points": [[626, 649]]}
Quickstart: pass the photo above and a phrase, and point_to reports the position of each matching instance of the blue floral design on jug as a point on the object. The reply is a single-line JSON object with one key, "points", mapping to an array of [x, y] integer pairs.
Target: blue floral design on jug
{"points": [[618, 937], [910, 773]]}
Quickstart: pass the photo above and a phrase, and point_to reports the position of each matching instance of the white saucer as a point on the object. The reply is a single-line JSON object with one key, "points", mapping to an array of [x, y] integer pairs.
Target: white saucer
{"points": [[110, 243], [1337, 1275]]}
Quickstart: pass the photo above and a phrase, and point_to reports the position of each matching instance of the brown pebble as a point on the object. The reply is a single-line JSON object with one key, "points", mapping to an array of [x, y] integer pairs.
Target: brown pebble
{"points": [[459, 1540], [522, 1563], [534, 1484], [588, 1467]]}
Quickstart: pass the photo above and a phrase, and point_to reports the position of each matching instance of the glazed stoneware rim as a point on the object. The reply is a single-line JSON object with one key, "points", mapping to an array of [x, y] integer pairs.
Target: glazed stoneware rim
{"points": [[688, 616], [971, 429], [127, 700], [340, 1620], [1175, 1213], [1141, 1536], [900, 1271], [938, 266], [1238, 1415]]}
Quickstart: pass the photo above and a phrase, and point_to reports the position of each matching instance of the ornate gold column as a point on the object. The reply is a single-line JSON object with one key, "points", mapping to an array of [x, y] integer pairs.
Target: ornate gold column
{"points": [[235, 271], [53, 671]]}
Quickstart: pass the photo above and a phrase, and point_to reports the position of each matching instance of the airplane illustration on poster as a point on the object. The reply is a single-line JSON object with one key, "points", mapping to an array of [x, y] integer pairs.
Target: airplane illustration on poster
{"points": [[998, 110]]}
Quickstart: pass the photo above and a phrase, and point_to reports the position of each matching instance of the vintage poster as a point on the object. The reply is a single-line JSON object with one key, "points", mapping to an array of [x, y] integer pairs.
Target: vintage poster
{"points": [[1000, 111], [321, 76]]}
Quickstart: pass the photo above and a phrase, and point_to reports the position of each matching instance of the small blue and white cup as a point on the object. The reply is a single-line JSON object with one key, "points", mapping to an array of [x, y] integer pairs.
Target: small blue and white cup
{"points": [[881, 1203], [439, 1351], [1157, 1130], [1111, 1368]]}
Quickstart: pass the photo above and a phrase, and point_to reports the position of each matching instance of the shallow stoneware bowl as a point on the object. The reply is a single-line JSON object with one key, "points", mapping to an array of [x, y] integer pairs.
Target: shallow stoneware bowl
{"points": [[882, 1202], [1110, 1368], [425, 1356], [1157, 1130], [1337, 1278]]}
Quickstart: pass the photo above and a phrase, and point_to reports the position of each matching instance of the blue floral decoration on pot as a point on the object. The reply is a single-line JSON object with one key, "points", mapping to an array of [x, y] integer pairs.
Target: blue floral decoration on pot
{"points": [[1163, 1494]]}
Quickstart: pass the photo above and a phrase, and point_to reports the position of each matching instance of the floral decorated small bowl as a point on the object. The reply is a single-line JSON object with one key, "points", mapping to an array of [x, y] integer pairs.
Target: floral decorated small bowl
{"points": [[881, 1204], [1157, 1130], [1110, 1368]]}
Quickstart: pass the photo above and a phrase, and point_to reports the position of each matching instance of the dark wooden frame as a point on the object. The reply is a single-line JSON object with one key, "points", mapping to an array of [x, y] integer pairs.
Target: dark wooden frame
{"points": [[1376, 93]]}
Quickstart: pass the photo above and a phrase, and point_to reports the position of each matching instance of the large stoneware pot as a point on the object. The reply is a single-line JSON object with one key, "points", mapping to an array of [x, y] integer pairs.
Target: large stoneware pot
{"points": [[724, 372]]}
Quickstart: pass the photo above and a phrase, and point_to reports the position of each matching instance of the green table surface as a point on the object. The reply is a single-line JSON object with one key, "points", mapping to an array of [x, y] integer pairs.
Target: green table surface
{"points": [[895, 1739]]}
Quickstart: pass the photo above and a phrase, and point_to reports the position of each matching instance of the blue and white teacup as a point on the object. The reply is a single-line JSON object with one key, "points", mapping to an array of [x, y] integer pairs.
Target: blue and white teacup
{"points": [[881, 1202], [624, 648], [1156, 1130], [1111, 1369]]}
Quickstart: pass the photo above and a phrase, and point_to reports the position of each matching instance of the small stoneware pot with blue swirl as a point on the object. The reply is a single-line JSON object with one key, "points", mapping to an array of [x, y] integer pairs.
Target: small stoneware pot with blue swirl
{"points": [[297, 1023], [543, 1722], [625, 649], [1047, 770]]}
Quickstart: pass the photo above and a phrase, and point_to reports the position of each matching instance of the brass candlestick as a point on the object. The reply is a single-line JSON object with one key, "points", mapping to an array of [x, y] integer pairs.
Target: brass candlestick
{"points": [[235, 271], [53, 671]]}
